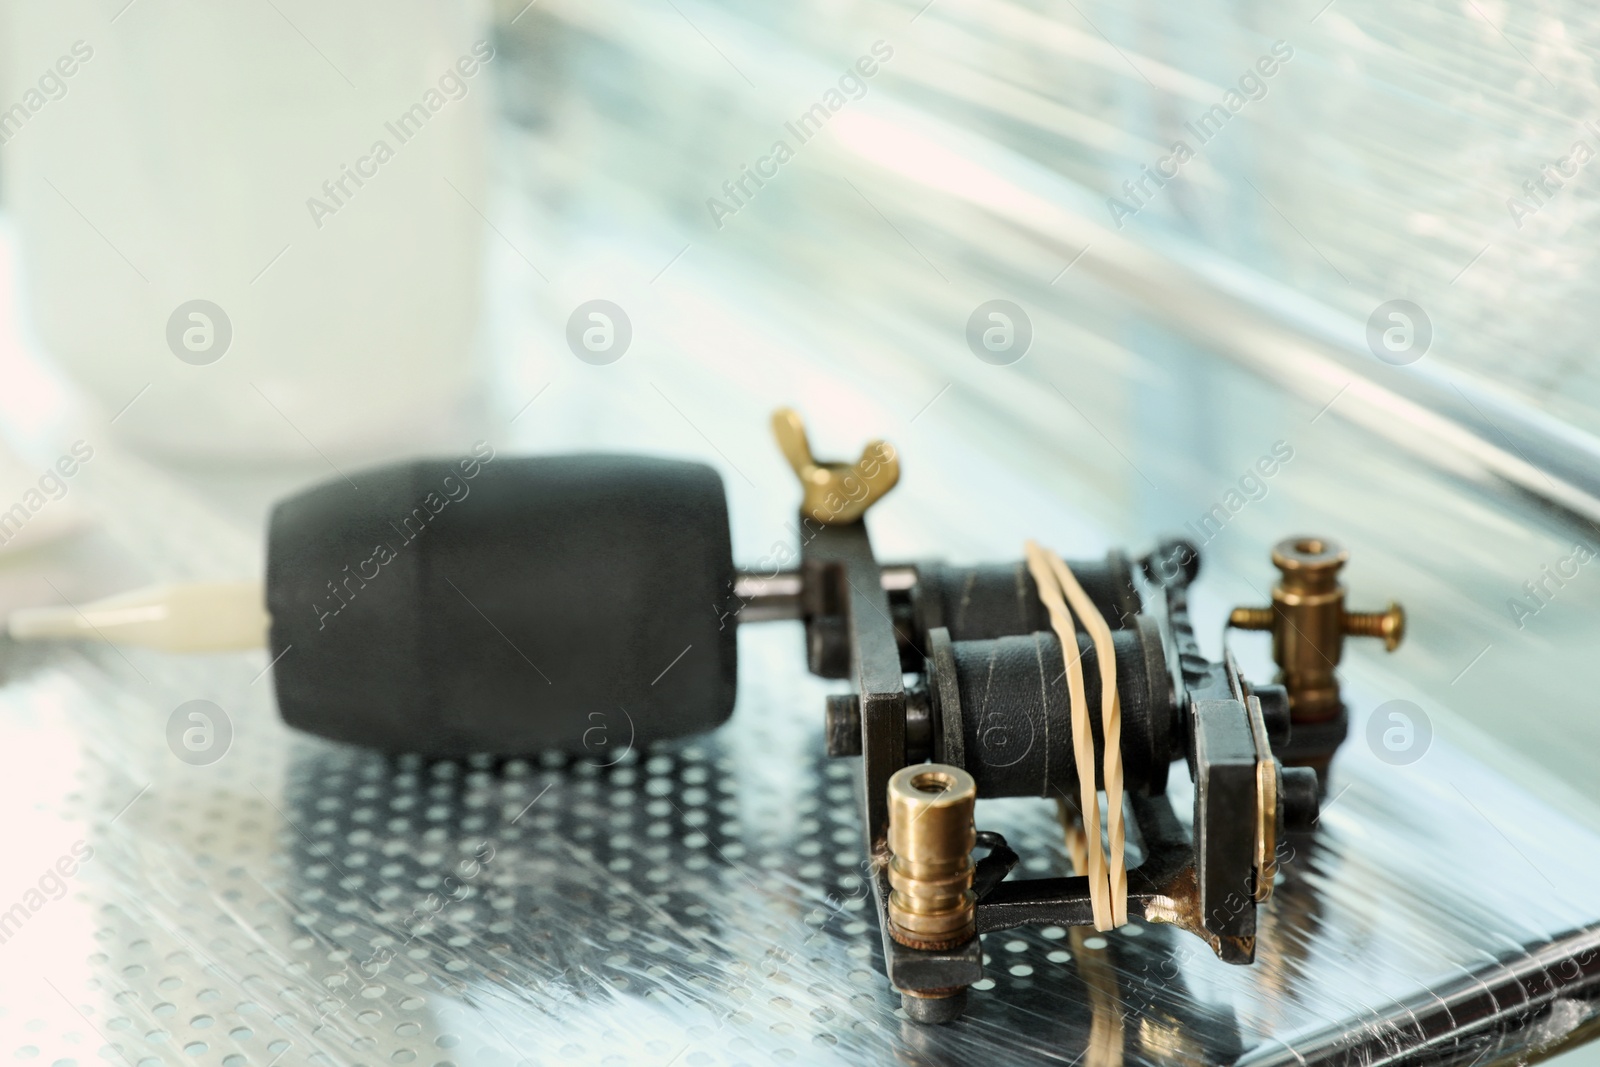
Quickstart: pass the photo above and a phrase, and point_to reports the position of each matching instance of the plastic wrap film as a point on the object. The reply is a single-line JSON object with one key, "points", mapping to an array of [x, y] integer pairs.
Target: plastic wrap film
{"points": [[1437, 153]]}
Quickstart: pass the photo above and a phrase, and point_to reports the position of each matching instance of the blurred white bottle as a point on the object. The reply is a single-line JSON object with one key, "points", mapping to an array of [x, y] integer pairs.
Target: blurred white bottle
{"points": [[315, 171]]}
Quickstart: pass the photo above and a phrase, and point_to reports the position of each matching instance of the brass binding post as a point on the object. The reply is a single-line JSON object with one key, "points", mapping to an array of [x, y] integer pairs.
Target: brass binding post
{"points": [[931, 837], [1309, 623]]}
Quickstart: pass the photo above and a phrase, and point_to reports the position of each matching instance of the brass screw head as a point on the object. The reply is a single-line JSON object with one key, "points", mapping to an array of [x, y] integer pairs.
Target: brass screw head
{"points": [[1389, 624], [1309, 563]]}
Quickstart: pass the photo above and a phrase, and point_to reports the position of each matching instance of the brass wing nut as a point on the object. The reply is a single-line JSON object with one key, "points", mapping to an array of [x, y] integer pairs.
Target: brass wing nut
{"points": [[1309, 623], [835, 494]]}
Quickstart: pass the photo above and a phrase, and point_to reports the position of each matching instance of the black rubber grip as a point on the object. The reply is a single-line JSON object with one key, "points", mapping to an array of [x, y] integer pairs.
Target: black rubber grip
{"points": [[505, 605]]}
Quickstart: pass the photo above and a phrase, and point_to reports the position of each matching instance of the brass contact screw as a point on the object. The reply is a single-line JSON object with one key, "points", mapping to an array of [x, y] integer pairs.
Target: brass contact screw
{"points": [[1309, 624], [931, 838], [1389, 625]]}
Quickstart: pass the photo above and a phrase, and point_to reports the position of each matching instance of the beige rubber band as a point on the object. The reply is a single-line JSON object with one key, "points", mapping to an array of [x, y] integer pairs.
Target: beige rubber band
{"points": [[1110, 725], [1072, 829], [1108, 883], [1050, 595]]}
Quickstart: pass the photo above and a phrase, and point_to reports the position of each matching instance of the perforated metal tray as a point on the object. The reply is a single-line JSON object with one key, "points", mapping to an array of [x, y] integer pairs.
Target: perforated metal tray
{"points": [[301, 902]]}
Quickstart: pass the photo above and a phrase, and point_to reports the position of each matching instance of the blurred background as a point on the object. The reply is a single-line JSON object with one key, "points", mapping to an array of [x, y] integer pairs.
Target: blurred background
{"points": [[263, 243]]}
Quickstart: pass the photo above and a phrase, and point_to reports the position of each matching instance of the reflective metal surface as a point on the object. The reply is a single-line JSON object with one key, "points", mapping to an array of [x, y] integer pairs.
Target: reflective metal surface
{"points": [[296, 902], [301, 902]]}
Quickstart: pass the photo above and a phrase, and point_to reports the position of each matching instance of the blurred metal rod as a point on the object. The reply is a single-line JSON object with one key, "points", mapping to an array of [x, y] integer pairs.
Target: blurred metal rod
{"points": [[769, 597], [780, 596], [1527, 1001]]}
